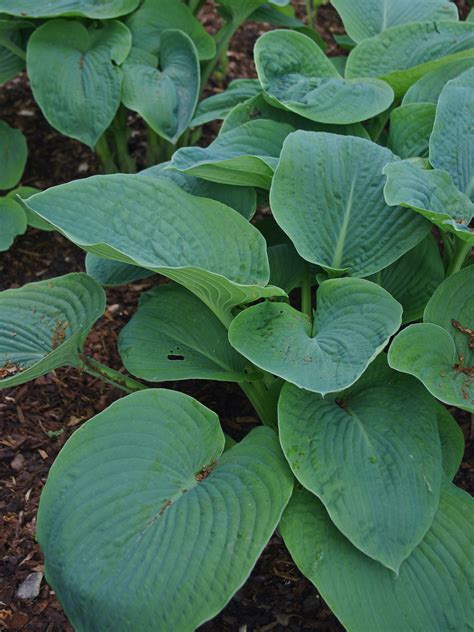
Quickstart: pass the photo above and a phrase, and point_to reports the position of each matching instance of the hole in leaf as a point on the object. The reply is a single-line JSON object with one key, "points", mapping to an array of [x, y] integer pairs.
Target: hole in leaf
{"points": [[173, 357]]}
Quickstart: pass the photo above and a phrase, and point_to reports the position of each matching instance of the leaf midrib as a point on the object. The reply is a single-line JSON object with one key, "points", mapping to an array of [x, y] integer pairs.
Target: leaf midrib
{"points": [[339, 250]]}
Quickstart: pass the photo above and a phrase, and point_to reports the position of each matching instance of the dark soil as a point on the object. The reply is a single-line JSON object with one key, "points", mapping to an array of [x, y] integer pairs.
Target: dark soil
{"points": [[37, 418]]}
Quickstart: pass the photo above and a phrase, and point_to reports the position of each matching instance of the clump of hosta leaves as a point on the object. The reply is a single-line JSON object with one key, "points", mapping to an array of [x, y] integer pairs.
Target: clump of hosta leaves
{"points": [[347, 317]]}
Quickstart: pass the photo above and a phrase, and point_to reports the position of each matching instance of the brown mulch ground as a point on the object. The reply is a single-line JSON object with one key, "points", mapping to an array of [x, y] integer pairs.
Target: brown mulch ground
{"points": [[38, 417]]}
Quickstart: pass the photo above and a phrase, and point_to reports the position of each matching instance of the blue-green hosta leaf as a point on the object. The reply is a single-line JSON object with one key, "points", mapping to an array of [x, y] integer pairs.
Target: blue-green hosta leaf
{"points": [[155, 16], [372, 454], [32, 218], [75, 76], [428, 88], [403, 54], [166, 96], [13, 155], [296, 74], [366, 18], [246, 155], [330, 203], [258, 108], [440, 352], [240, 10], [43, 325], [242, 199], [353, 322], [452, 141], [202, 244], [430, 192], [144, 521], [432, 590], [452, 441], [174, 336], [10, 32], [283, 16], [287, 268], [97, 9], [111, 273], [413, 278], [410, 129], [12, 222], [219, 105]]}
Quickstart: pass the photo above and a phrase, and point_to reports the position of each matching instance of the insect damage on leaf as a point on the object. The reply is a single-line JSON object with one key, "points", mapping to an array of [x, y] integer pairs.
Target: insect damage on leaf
{"points": [[59, 334], [9, 369], [204, 473]]}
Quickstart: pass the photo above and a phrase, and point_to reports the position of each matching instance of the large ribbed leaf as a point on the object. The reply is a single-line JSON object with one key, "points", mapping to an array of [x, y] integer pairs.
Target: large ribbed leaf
{"points": [[155, 16], [428, 88], [166, 96], [98, 9], [43, 325], [452, 141], [219, 105], [145, 523], [112, 273], [174, 336], [432, 591], [440, 351], [258, 108], [246, 155], [372, 455], [240, 10], [10, 33], [413, 278], [75, 76], [366, 18], [296, 74], [202, 244], [410, 129], [330, 203], [403, 54], [430, 192], [242, 199], [12, 222], [452, 441], [13, 154], [353, 322]]}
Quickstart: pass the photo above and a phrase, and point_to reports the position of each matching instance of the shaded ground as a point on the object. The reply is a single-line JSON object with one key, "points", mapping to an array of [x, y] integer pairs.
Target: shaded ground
{"points": [[37, 418]]}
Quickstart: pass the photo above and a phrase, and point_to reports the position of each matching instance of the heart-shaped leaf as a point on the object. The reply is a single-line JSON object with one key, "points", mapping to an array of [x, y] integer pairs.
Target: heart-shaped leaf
{"points": [[440, 352], [202, 244], [75, 76], [174, 336], [410, 129], [258, 108], [296, 74], [428, 88], [144, 520], [12, 222], [452, 140], [452, 441], [111, 273], [353, 322], [431, 592], [43, 325], [246, 155], [219, 105], [155, 16], [366, 18], [403, 54], [372, 455], [96, 9], [13, 154], [331, 204], [242, 199], [413, 278], [164, 97], [430, 192]]}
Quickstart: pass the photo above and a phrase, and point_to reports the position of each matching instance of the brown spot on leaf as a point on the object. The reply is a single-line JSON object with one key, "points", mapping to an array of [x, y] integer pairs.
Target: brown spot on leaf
{"points": [[59, 334], [204, 473]]}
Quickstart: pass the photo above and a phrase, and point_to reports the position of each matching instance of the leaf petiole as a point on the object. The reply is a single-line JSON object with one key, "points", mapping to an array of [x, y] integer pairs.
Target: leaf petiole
{"points": [[111, 376]]}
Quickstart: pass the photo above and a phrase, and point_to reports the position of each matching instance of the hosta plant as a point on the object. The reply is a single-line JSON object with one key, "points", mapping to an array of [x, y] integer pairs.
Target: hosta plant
{"points": [[90, 63], [339, 315]]}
